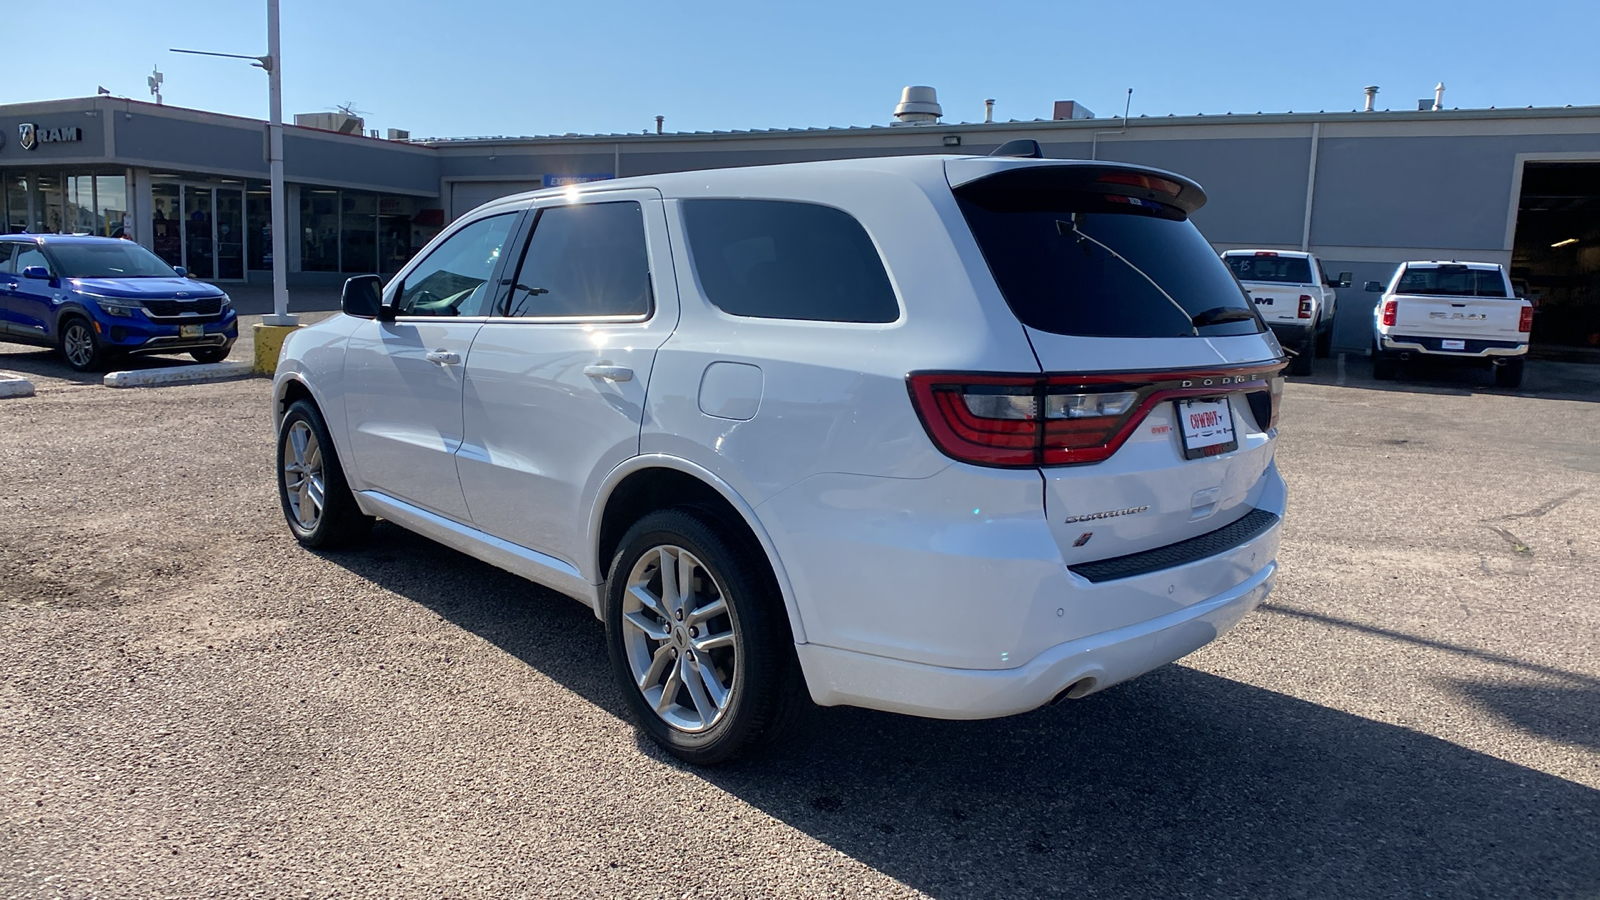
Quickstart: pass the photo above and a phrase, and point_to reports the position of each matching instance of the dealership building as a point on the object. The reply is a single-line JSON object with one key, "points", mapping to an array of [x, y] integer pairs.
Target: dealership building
{"points": [[1363, 190]]}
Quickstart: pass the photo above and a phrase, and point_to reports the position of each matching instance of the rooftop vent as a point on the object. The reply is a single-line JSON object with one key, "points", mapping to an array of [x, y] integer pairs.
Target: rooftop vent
{"points": [[399, 134], [1070, 109], [918, 104]]}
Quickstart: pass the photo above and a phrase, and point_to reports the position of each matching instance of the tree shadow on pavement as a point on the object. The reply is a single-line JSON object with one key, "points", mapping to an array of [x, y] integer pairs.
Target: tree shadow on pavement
{"points": [[1177, 784]]}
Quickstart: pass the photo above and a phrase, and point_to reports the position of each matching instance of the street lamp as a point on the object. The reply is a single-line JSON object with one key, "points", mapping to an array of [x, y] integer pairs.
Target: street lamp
{"points": [[280, 259]]}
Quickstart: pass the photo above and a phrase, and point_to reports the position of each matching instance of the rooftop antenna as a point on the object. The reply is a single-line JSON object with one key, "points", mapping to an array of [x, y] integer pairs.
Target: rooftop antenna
{"points": [[155, 80], [1094, 141]]}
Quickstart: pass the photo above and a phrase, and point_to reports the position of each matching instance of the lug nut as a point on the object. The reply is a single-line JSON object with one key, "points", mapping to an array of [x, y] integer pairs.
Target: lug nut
{"points": [[680, 615], [693, 631]]}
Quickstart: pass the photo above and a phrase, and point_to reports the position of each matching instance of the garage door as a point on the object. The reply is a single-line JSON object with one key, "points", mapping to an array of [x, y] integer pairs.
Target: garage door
{"points": [[468, 195]]}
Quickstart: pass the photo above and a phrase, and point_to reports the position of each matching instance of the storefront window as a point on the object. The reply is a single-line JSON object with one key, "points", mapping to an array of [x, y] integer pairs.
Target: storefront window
{"points": [[16, 203], [49, 216], [111, 205], [358, 234], [197, 248], [319, 230], [230, 233], [395, 244], [258, 221], [166, 220]]}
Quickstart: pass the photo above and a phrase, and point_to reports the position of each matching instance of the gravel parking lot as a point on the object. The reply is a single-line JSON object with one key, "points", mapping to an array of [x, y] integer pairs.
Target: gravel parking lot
{"points": [[191, 705]]}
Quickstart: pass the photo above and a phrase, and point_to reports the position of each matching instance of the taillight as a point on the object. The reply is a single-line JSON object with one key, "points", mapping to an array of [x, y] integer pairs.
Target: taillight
{"points": [[1041, 420], [1305, 306], [1525, 322], [1391, 308]]}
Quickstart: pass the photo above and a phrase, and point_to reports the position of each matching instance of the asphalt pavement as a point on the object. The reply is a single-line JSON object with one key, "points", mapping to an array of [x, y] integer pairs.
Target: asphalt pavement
{"points": [[192, 705]]}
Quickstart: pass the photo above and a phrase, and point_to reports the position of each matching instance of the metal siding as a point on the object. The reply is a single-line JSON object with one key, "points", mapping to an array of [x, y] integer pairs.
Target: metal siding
{"points": [[190, 146], [361, 161], [1422, 191], [1255, 187]]}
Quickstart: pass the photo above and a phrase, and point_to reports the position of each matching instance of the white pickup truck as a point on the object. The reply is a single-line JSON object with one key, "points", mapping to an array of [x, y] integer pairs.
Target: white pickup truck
{"points": [[1295, 297], [1464, 311]]}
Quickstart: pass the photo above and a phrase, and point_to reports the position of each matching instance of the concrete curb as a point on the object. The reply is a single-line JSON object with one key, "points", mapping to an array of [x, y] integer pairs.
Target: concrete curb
{"points": [[15, 386], [201, 373]]}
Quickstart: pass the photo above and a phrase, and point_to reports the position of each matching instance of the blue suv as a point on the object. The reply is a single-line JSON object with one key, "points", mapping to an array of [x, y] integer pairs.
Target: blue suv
{"points": [[96, 298]]}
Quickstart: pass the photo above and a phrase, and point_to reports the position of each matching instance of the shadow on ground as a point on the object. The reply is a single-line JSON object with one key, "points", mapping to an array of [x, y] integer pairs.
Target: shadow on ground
{"points": [[1543, 379], [1177, 784], [49, 364]]}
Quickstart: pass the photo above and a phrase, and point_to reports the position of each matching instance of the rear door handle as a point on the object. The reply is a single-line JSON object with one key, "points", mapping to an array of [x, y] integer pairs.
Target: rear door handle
{"points": [[609, 373], [443, 357]]}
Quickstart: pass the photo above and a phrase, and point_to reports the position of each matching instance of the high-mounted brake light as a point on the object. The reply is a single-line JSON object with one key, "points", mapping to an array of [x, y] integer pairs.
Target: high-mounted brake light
{"points": [[1305, 306], [1391, 309], [1266, 253], [1042, 420], [1148, 182], [1525, 322]]}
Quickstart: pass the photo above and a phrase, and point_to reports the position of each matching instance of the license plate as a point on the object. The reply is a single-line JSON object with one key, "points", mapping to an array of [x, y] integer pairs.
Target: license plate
{"points": [[191, 330], [1453, 345], [1206, 427]]}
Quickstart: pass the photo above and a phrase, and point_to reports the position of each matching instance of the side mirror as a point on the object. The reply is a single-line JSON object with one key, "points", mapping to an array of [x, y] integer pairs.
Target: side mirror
{"points": [[1345, 279], [182, 272], [1373, 287], [38, 272], [362, 297]]}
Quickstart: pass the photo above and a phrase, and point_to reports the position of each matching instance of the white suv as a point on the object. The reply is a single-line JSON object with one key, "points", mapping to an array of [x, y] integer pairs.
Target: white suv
{"points": [[947, 436]]}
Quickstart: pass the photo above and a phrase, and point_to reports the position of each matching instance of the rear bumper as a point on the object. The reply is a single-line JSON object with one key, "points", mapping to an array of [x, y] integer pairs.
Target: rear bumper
{"points": [[1293, 334], [1433, 346], [1081, 667]]}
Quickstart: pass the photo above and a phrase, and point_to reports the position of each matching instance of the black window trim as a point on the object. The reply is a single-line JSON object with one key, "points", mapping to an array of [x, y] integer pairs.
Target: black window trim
{"points": [[705, 298], [501, 311]]}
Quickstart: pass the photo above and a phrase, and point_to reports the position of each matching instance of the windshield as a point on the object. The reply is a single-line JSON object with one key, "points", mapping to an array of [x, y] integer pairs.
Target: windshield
{"points": [[111, 259], [1274, 268], [1094, 265], [1452, 281]]}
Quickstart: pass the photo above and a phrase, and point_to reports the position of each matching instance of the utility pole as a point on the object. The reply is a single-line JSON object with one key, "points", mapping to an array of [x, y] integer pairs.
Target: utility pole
{"points": [[273, 63]]}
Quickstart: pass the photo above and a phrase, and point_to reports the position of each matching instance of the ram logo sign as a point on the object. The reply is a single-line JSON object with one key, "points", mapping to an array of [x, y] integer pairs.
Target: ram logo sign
{"points": [[30, 136]]}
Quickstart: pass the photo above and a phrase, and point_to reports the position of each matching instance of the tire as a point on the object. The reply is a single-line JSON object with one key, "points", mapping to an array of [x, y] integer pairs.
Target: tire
{"points": [[211, 354], [80, 346], [660, 642], [1509, 374], [1384, 368], [1325, 343], [1304, 360], [307, 458]]}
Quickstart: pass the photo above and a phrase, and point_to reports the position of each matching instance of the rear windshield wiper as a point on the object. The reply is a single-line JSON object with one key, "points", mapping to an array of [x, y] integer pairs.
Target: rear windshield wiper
{"points": [[1073, 227], [1219, 314]]}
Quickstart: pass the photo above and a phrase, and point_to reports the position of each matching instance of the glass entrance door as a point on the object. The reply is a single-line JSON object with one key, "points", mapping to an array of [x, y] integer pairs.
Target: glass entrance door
{"points": [[230, 233], [198, 247]]}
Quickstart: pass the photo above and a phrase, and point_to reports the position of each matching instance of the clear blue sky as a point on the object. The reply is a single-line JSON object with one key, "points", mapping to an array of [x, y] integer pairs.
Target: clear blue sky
{"points": [[472, 67]]}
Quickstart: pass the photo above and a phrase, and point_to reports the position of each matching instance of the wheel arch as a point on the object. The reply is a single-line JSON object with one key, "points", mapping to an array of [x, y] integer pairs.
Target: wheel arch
{"points": [[646, 482]]}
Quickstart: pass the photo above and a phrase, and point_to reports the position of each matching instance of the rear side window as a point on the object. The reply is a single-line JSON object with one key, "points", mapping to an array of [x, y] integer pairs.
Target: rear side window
{"points": [[1452, 281], [1095, 265], [783, 260], [585, 260], [1277, 269]]}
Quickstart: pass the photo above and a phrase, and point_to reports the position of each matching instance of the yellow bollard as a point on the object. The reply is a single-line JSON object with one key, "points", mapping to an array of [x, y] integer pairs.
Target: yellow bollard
{"points": [[269, 342]]}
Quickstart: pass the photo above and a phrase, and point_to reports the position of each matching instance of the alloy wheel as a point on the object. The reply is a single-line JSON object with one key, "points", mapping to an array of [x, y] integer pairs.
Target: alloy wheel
{"points": [[78, 344], [678, 636], [303, 482]]}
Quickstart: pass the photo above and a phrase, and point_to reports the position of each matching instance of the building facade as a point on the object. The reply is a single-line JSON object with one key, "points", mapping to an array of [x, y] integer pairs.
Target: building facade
{"points": [[1364, 190]]}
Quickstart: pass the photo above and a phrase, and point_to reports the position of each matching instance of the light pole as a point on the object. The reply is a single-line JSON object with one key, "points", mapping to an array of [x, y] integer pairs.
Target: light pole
{"points": [[280, 254]]}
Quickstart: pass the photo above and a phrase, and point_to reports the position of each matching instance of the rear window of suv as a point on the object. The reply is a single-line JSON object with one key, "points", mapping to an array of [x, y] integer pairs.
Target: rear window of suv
{"points": [[1276, 269], [1089, 264], [1452, 281], [779, 259]]}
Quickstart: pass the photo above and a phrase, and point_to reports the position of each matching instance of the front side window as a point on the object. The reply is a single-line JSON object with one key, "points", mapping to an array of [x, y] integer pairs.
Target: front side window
{"points": [[7, 250], [454, 279], [784, 260], [1270, 268], [586, 260], [111, 259], [29, 255]]}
